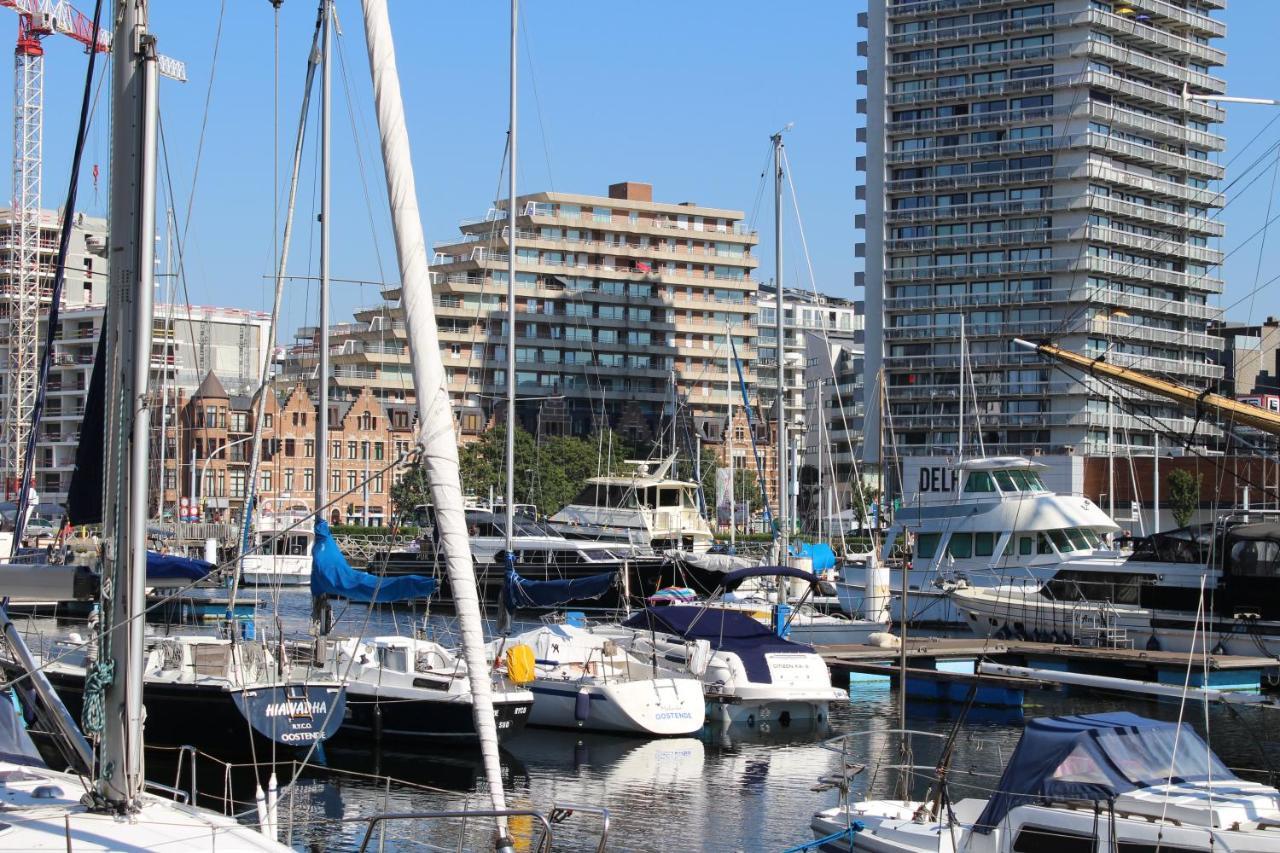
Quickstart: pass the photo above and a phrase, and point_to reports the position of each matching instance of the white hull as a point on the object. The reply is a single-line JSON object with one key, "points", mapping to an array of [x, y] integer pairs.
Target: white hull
{"points": [[276, 571], [988, 612], [660, 706], [760, 709]]}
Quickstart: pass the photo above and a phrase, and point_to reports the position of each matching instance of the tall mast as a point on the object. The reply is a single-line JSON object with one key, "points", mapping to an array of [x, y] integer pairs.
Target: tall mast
{"points": [[132, 276], [511, 296], [322, 405], [784, 515], [728, 436], [960, 412]]}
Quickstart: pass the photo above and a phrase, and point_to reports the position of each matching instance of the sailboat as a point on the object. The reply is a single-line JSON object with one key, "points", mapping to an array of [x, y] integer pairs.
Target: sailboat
{"points": [[1089, 782], [47, 809]]}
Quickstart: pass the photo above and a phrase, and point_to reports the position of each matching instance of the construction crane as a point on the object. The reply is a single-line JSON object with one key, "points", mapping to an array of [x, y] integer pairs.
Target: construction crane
{"points": [[1229, 409], [21, 298]]}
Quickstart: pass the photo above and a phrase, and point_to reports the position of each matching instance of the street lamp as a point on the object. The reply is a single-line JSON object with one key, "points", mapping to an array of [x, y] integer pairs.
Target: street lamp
{"points": [[204, 469]]}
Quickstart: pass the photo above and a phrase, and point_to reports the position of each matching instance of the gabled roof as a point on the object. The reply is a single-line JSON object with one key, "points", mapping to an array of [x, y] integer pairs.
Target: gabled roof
{"points": [[210, 389]]}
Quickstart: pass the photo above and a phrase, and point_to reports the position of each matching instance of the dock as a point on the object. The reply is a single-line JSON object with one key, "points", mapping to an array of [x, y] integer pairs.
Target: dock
{"points": [[943, 668]]}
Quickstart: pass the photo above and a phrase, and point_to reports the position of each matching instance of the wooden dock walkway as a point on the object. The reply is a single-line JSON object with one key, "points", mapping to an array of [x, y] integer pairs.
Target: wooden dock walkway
{"points": [[947, 648]]}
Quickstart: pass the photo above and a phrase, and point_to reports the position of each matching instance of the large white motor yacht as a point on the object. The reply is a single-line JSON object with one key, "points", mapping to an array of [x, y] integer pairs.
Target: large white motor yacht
{"points": [[989, 522], [644, 508]]}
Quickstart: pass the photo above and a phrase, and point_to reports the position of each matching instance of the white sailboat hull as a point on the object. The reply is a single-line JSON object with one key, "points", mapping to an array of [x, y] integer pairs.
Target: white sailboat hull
{"points": [[658, 706]]}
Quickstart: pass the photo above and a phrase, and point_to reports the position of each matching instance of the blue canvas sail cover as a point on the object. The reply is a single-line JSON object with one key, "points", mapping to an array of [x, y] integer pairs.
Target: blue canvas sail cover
{"points": [[726, 630], [518, 592], [170, 567], [1095, 757], [331, 574]]}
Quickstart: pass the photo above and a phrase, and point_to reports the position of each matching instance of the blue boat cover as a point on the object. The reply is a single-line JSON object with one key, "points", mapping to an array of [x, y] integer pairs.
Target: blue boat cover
{"points": [[726, 630], [518, 592], [331, 574], [765, 572], [1095, 757], [819, 552], [170, 567]]}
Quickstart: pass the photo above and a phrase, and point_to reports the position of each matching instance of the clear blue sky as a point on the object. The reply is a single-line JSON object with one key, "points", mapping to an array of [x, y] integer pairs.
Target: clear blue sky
{"points": [[682, 95]]}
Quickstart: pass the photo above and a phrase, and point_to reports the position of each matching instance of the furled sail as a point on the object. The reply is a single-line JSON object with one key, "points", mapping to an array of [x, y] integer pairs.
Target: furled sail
{"points": [[519, 592]]}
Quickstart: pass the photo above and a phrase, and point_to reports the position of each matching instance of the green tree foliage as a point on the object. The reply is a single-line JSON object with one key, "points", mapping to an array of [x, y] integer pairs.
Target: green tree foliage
{"points": [[548, 473], [1184, 495]]}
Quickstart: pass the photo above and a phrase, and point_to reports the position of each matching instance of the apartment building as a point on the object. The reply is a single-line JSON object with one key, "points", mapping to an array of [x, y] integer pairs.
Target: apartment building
{"points": [[623, 304], [1034, 171], [187, 343]]}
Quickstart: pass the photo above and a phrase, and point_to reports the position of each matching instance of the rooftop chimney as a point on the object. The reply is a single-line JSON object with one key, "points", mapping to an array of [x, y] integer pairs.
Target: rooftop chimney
{"points": [[631, 191]]}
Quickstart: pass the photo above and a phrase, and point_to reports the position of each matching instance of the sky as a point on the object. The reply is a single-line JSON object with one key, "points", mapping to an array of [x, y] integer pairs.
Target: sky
{"points": [[681, 95]]}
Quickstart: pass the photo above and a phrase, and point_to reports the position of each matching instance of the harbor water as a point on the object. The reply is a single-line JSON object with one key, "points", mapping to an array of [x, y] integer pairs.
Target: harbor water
{"points": [[727, 789]]}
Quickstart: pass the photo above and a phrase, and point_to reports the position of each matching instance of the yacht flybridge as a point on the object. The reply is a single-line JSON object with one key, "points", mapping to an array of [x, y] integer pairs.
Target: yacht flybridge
{"points": [[997, 524], [282, 542], [1082, 783], [645, 508]]}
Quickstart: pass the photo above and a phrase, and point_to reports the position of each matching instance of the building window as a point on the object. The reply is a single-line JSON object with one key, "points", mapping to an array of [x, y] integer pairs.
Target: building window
{"points": [[266, 482], [336, 481], [290, 448], [377, 484], [351, 450], [237, 483], [351, 481], [309, 448], [379, 451], [308, 479], [364, 450], [288, 479], [335, 450]]}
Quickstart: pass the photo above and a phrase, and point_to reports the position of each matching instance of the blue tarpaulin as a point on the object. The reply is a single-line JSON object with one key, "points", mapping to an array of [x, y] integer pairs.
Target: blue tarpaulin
{"points": [[170, 567], [331, 574], [1094, 757], [518, 592], [819, 552], [725, 630]]}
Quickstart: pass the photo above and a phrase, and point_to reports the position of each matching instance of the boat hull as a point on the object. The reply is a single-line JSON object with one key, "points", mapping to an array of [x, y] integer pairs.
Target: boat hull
{"points": [[664, 706], [391, 718]]}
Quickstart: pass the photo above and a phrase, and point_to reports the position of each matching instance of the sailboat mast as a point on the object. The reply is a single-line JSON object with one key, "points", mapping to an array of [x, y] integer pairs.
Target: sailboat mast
{"points": [[132, 276], [511, 295], [728, 436], [784, 516], [960, 413], [322, 368]]}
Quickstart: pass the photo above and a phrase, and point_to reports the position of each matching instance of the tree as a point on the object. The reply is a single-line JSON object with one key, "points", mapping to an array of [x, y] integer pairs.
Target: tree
{"points": [[412, 490], [1184, 495]]}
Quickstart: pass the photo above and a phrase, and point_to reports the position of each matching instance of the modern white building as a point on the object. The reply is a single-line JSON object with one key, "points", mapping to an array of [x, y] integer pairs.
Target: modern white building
{"points": [[1033, 170]]}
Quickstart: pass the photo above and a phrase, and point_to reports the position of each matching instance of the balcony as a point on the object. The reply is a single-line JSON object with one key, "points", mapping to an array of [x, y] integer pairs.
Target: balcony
{"points": [[1136, 272], [1093, 170], [1124, 149], [1141, 91], [966, 32], [1155, 245], [978, 300], [1061, 326], [1132, 331], [1177, 133], [1155, 38], [1113, 53], [1107, 296]]}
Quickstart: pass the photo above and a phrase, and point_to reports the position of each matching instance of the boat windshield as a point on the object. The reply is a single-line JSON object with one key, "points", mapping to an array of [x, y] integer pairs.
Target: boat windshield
{"points": [[612, 497], [1018, 480]]}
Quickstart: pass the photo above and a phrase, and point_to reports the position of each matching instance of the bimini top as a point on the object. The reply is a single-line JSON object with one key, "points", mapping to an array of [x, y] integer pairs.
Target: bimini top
{"points": [[1097, 757], [726, 630]]}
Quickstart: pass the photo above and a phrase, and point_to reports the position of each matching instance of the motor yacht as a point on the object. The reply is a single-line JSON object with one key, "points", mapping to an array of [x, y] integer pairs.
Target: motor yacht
{"points": [[1092, 782], [992, 523], [644, 508], [587, 680], [282, 543], [1211, 586]]}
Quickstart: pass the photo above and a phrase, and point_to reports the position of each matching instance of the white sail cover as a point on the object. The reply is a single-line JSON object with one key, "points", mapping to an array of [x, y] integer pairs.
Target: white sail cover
{"points": [[435, 414]]}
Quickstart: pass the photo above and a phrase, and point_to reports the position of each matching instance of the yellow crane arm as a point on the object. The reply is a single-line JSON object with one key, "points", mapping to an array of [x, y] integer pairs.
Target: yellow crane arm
{"points": [[1229, 409]]}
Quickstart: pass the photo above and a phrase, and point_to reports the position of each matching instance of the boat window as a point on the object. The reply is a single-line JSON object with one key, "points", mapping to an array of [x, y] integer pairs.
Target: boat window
{"points": [[396, 660], [1059, 538], [1034, 839], [1077, 537], [1094, 540], [1024, 546], [1149, 847], [1115, 587], [1256, 558], [1009, 545], [668, 497], [1005, 482], [927, 545], [979, 481], [984, 544], [961, 545], [1042, 544], [1033, 481], [646, 497]]}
